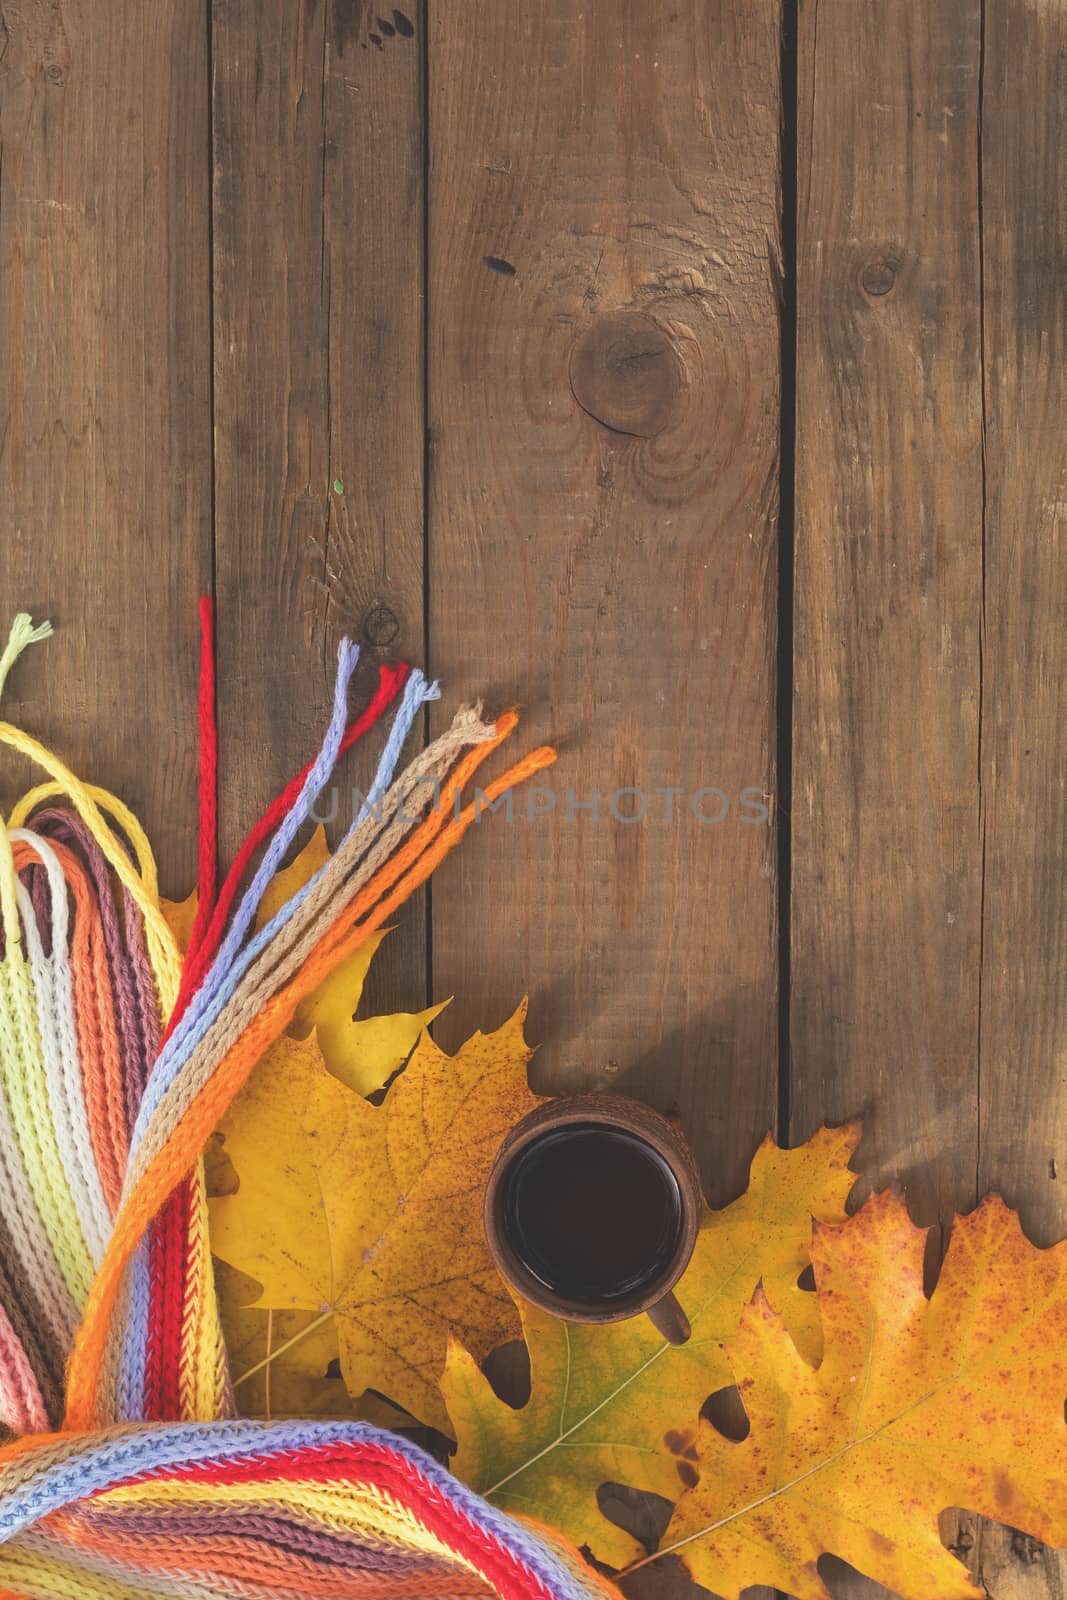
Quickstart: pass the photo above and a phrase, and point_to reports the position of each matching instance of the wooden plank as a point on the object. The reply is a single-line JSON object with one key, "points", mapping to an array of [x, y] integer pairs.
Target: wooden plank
{"points": [[1024, 746], [318, 162], [1023, 1116], [886, 885], [923, 993], [105, 429], [604, 396]]}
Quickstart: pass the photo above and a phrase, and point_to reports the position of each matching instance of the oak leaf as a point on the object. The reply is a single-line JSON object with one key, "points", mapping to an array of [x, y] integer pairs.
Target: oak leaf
{"points": [[917, 1405], [374, 1212], [607, 1403]]}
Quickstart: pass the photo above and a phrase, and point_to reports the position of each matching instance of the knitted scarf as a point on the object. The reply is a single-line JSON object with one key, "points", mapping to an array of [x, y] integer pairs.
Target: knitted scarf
{"points": [[128, 1474]]}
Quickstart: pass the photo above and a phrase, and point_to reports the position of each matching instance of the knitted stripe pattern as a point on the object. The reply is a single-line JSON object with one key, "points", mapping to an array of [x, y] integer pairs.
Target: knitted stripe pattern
{"points": [[126, 1473]]}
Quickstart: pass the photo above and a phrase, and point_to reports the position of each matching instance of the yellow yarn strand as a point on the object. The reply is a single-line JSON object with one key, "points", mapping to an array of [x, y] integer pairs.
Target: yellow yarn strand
{"points": [[364, 1509], [23, 1077], [162, 947], [43, 1575], [209, 1367], [9, 895], [163, 961], [23, 633], [120, 813]]}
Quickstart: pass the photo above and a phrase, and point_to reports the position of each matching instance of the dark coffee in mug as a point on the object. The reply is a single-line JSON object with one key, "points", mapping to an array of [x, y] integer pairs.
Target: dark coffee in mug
{"points": [[593, 1212], [592, 1209]]}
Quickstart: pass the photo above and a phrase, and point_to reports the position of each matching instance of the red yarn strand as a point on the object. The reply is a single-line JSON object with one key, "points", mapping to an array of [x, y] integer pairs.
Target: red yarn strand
{"points": [[209, 767], [391, 679]]}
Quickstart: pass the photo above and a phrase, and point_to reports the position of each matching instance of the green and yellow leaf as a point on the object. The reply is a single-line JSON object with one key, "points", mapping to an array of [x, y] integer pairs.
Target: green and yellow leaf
{"points": [[617, 1403]]}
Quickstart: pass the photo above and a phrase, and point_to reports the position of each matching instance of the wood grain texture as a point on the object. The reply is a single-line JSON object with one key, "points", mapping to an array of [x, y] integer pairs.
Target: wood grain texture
{"points": [[886, 891], [886, 883], [1023, 1084], [218, 216], [105, 430], [318, 163], [929, 770], [1024, 742], [603, 371]]}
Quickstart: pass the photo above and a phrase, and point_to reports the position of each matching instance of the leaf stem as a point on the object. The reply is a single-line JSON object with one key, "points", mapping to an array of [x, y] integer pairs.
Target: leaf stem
{"points": [[266, 1369], [282, 1348]]}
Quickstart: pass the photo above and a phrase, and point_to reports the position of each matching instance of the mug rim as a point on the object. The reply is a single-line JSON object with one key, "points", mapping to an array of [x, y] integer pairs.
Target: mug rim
{"points": [[611, 1111]]}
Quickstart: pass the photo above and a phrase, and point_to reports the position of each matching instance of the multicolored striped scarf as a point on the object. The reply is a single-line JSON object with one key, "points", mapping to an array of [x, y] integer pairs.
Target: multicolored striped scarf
{"points": [[129, 1474]]}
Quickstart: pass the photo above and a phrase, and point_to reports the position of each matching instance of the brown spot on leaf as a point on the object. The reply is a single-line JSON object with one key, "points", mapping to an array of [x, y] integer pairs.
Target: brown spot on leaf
{"points": [[680, 1443], [725, 1410]]}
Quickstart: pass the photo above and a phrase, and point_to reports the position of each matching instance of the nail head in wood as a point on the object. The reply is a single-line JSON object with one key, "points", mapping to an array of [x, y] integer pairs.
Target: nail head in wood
{"points": [[877, 277]]}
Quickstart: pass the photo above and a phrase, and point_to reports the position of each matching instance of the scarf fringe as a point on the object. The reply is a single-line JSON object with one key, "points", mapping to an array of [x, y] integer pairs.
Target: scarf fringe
{"points": [[118, 1056]]}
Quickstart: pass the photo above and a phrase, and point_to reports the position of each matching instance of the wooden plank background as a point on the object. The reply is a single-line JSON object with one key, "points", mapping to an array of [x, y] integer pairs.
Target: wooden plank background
{"points": [[608, 557], [689, 373]]}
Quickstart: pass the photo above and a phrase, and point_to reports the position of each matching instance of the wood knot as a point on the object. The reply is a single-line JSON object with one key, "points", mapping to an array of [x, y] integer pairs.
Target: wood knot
{"points": [[625, 373], [381, 625]]}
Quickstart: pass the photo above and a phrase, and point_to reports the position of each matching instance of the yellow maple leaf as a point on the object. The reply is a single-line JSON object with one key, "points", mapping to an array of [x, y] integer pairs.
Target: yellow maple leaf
{"points": [[375, 1211], [917, 1405], [603, 1399], [363, 1054], [179, 916], [286, 1364]]}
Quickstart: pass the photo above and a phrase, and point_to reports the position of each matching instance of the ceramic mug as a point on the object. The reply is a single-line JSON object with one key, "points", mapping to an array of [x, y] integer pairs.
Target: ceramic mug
{"points": [[592, 1210]]}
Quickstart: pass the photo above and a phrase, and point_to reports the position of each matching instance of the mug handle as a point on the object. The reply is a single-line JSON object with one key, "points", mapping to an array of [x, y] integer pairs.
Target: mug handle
{"points": [[668, 1318]]}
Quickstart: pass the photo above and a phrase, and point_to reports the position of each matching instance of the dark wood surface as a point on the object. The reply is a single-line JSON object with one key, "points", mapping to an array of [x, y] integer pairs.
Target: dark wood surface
{"points": [[473, 334], [105, 386], [1022, 1100], [887, 842], [602, 535], [928, 970], [317, 276]]}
